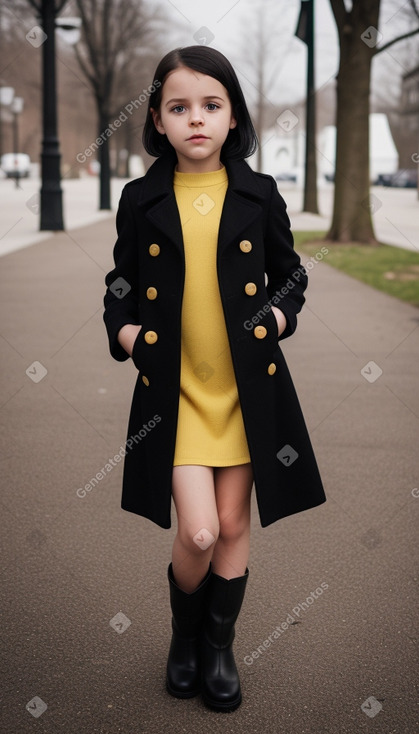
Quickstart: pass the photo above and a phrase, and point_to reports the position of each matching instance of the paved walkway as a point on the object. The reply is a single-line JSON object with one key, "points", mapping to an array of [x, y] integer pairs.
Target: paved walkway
{"points": [[19, 225], [85, 604]]}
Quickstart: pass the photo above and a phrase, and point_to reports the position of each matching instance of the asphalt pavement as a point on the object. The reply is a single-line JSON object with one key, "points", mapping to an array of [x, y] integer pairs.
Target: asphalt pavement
{"points": [[86, 617]]}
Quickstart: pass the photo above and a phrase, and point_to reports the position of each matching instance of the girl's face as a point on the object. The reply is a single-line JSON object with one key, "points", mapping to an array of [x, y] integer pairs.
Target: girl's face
{"points": [[196, 115]]}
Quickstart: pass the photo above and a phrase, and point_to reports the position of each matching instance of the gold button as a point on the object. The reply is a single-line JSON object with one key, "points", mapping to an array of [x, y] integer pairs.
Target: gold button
{"points": [[154, 250], [145, 380], [245, 246], [151, 337], [151, 293], [272, 368], [260, 332], [250, 289]]}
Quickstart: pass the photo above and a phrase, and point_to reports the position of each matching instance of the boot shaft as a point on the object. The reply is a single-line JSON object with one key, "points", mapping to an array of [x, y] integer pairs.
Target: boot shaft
{"points": [[225, 598], [187, 609]]}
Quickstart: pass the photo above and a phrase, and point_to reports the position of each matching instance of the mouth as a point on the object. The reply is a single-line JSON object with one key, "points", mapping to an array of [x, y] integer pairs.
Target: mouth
{"points": [[198, 137]]}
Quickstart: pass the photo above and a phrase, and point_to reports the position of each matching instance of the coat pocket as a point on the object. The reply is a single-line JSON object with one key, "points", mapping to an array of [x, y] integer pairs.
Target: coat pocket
{"points": [[272, 326], [136, 349]]}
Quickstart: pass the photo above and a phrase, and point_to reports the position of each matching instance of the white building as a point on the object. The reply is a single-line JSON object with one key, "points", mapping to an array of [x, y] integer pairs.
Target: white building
{"points": [[284, 152]]}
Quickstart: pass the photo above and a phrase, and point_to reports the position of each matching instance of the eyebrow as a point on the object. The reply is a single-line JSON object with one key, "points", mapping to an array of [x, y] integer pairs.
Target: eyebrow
{"points": [[183, 99]]}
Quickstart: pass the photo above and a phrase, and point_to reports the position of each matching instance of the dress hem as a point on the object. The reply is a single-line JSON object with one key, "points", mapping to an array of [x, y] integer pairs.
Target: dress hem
{"points": [[215, 463]]}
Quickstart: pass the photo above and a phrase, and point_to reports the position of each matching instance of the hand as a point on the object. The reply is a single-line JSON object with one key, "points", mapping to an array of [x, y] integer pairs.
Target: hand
{"points": [[280, 319], [127, 336]]}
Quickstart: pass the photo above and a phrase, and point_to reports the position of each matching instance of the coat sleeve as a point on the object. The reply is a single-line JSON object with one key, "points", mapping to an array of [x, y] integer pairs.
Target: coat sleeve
{"points": [[121, 297], [287, 278]]}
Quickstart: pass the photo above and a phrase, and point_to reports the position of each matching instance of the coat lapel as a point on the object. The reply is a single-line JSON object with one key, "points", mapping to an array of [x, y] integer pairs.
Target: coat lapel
{"points": [[158, 199], [241, 205], [242, 202]]}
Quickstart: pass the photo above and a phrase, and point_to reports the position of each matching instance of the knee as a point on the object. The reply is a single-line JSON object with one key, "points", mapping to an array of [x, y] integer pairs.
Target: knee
{"points": [[234, 526], [200, 536]]}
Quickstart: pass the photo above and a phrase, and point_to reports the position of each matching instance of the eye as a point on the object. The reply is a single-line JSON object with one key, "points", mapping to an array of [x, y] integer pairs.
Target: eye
{"points": [[212, 106], [178, 108]]}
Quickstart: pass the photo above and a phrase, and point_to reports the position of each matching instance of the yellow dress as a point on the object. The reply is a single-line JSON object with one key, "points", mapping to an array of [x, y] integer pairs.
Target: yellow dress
{"points": [[210, 428]]}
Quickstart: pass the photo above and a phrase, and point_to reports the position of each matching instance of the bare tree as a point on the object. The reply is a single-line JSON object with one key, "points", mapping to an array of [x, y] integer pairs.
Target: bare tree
{"points": [[358, 39], [22, 70], [263, 85], [138, 76], [262, 34], [17, 71], [113, 32], [389, 96]]}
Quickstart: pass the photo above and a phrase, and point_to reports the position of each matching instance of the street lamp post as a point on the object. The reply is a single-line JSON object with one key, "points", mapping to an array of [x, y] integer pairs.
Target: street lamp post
{"points": [[16, 108], [51, 203], [51, 200]]}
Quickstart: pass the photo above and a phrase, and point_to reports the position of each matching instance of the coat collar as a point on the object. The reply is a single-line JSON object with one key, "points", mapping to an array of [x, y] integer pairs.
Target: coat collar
{"points": [[241, 206], [158, 181]]}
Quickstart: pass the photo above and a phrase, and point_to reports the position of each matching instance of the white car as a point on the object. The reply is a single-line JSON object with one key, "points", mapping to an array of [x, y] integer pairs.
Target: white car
{"points": [[16, 165]]}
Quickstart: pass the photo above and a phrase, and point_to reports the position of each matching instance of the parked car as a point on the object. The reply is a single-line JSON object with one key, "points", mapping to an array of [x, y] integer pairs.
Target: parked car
{"points": [[383, 179], [93, 168], [405, 179], [16, 165], [286, 177]]}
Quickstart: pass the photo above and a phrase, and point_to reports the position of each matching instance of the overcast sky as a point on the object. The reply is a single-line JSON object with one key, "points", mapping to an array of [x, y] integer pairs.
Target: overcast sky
{"points": [[230, 22]]}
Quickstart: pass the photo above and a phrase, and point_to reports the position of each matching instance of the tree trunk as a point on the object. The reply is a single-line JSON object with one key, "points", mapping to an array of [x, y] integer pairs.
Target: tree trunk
{"points": [[103, 158], [352, 211]]}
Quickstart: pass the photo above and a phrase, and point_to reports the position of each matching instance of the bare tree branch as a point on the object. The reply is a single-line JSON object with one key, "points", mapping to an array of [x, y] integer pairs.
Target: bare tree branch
{"points": [[60, 6], [85, 69], [106, 31], [35, 5], [414, 7], [91, 44], [409, 34]]}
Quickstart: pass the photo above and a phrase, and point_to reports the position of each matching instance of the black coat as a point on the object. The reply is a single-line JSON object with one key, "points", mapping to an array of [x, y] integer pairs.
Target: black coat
{"points": [[254, 239]]}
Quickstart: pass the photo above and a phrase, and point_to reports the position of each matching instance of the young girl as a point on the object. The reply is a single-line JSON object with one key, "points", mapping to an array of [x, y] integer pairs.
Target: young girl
{"points": [[206, 281]]}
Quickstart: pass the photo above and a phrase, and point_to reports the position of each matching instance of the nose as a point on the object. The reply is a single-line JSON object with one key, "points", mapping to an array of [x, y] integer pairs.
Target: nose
{"points": [[195, 117]]}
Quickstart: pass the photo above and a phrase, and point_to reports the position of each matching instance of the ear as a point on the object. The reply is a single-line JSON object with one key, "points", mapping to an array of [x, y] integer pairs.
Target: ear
{"points": [[157, 121], [233, 123]]}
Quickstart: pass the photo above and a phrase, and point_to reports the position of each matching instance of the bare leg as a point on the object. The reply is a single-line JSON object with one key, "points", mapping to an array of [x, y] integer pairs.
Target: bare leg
{"points": [[194, 497], [233, 486]]}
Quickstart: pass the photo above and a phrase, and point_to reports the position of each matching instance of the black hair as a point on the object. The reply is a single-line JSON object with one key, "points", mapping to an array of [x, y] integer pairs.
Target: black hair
{"points": [[241, 141]]}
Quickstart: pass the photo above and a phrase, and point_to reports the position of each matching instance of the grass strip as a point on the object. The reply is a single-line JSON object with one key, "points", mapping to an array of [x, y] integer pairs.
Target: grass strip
{"points": [[392, 270]]}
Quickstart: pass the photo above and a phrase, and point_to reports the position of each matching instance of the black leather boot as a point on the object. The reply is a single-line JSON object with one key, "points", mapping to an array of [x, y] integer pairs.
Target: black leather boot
{"points": [[183, 674], [220, 687]]}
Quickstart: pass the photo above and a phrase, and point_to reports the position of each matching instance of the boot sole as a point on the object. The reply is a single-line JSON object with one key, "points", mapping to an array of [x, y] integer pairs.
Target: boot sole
{"points": [[221, 706], [181, 694]]}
